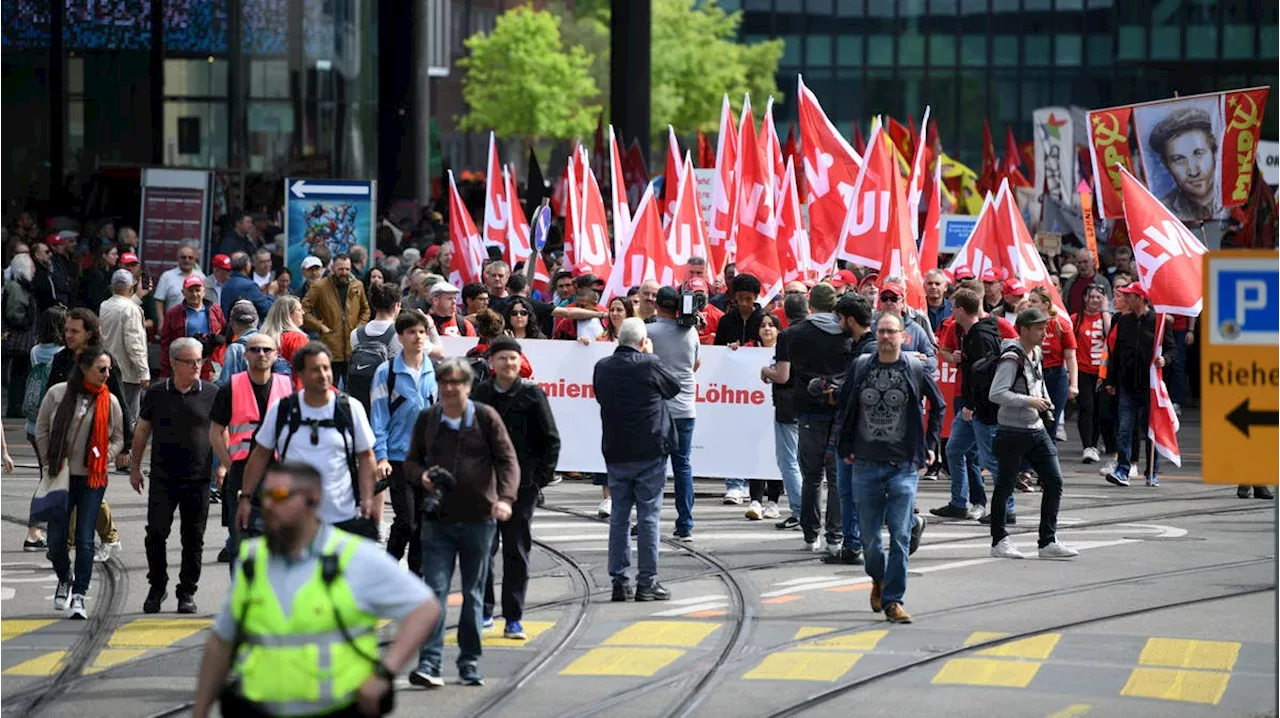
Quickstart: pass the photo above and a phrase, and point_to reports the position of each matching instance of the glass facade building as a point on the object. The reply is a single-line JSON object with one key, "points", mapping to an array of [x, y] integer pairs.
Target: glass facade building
{"points": [[1002, 59]]}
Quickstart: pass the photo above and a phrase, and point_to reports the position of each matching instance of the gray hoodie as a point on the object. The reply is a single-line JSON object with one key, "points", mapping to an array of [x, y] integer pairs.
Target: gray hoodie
{"points": [[1015, 410]]}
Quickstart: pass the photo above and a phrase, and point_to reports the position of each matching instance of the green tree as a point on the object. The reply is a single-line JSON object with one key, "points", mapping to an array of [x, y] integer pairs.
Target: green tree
{"points": [[521, 81]]}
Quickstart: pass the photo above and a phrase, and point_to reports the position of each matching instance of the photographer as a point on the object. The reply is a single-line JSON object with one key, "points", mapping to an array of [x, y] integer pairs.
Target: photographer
{"points": [[675, 342], [196, 317], [463, 456]]}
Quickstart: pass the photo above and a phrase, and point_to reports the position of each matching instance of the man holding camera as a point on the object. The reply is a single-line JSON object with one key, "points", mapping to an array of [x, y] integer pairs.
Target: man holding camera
{"points": [[461, 453], [676, 344]]}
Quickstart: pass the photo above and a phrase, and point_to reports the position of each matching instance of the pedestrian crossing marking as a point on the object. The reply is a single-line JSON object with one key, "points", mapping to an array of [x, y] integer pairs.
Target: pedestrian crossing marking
{"points": [[1184, 653], [1072, 711], [14, 627], [1035, 647], [986, 672], [811, 631], [982, 637], [685, 634], [112, 657], [1172, 685], [707, 614], [863, 641], [639, 662], [491, 637], [156, 632], [803, 666], [45, 665]]}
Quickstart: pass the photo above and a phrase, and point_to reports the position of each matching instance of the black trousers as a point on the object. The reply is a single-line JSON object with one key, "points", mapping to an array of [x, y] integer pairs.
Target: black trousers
{"points": [[191, 500], [406, 501], [516, 538], [1089, 414], [760, 487], [1013, 448]]}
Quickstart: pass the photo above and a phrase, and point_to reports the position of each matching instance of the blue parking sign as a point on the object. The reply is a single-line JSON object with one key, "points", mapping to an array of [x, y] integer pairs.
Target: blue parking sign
{"points": [[1245, 307]]}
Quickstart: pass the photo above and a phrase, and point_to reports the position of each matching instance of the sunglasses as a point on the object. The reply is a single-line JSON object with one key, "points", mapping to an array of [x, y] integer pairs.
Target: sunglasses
{"points": [[259, 350], [519, 314], [279, 494], [103, 370], [889, 297]]}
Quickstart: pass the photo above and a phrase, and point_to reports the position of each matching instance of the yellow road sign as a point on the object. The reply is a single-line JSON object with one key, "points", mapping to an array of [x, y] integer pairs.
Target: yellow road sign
{"points": [[1240, 367]]}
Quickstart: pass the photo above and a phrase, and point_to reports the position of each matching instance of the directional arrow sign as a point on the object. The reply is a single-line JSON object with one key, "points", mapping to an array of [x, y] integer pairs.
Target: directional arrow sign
{"points": [[338, 215], [1242, 418], [302, 190]]}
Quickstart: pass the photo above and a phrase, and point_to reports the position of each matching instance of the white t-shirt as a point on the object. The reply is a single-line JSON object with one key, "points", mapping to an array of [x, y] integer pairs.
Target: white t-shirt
{"points": [[374, 329], [169, 288], [262, 280], [326, 455], [589, 328]]}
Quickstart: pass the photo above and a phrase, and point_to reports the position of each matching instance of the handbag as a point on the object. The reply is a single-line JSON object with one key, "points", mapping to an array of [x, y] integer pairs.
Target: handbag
{"points": [[52, 495]]}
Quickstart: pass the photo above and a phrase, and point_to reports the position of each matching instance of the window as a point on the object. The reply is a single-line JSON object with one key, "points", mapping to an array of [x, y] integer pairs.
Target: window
{"points": [[1098, 50], [880, 51], [195, 78], [1004, 50], [1131, 43], [942, 50], [195, 134], [269, 79], [911, 48], [973, 51], [1166, 42], [849, 50], [818, 7], [791, 50], [1066, 50], [818, 50], [1035, 50]]}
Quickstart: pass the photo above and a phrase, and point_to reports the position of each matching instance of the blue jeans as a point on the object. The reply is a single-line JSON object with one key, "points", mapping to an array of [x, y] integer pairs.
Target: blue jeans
{"points": [[637, 483], [1056, 382], [469, 544], [785, 440], [967, 439], [731, 484], [885, 494], [1133, 410], [682, 473], [848, 505], [86, 502]]}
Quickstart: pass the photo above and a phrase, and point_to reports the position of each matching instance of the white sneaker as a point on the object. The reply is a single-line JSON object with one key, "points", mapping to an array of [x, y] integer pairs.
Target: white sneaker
{"points": [[1062, 432], [814, 546], [1107, 468], [1006, 549], [754, 512], [605, 508], [732, 497], [61, 596], [1091, 455], [975, 513], [771, 510], [75, 609], [1134, 473], [105, 551], [1057, 550]]}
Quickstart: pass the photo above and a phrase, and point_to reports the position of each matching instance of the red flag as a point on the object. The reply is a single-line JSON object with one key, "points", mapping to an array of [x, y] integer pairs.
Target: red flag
{"points": [[637, 172], [687, 234], [496, 204], [468, 248], [618, 194], [560, 192], [1012, 157], [1021, 257], [859, 142], [670, 178], [592, 245], [790, 151], [518, 245], [793, 239], [1108, 147], [900, 136], [915, 190], [866, 230], [1162, 427], [989, 177], [900, 258], [830, 170], [931, 238], [1242, 112], [645, 256], [576, 172], [772, 149], [722, 227], [1167, 255], [706, 158], [757, 252]]}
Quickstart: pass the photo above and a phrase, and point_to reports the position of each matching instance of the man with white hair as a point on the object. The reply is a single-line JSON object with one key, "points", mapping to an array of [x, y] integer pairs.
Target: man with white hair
{"points": [[124, 336], [632, 386], [177, 413]]}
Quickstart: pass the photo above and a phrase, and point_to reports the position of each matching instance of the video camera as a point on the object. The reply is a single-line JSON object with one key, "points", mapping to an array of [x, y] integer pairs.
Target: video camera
{"points": [[687, 306]]}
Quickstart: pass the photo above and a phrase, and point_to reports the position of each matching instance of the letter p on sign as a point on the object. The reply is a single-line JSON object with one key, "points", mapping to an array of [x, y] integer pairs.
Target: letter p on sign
{"points": [[1251, 294]]}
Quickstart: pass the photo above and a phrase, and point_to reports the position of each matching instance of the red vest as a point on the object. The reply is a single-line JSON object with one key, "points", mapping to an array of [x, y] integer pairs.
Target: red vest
{"points": [[244, 411]]}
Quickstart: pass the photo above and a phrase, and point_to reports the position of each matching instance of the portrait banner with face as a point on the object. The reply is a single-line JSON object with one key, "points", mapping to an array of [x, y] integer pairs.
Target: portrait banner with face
{"points": [[1179, 144], [1242, 111]]}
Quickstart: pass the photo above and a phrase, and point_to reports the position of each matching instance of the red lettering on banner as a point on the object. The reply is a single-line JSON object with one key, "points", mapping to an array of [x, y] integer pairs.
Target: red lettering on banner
{"points": [[711, 394]]}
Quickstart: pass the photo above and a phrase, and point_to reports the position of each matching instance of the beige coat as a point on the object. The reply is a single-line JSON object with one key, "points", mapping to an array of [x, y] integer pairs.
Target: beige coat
{"points": [[323, 309], [124, 336], [77, 458]]}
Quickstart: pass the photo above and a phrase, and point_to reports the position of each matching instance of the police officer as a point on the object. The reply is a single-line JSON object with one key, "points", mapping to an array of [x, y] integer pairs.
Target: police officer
{"points": [[335, 586]]}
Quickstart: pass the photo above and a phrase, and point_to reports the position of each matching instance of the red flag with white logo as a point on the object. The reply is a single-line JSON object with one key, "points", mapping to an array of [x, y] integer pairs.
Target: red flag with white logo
{"points": [[687, 233], [468, 248], [671, 177], [981, 251], [559, 194], [519, 248], [830, 170], [866, 233], [721, 227], [1167, 255], [931, 237], [496, 206], [793, 239], [1162, 428], [618, 194], [772, 152], [645, 255], [915, 190], [757, 249], [592, 253], [1021, 257], [900, 258]]}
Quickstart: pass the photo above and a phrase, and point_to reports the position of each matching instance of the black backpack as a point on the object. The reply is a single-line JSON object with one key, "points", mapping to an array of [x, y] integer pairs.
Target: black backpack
{"points": [[479, 366], [367, 355], [981, 372], [290, 413]]}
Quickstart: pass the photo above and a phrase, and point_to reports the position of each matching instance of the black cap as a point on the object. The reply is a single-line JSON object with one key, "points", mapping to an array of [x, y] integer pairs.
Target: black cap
{"points": [[588, 280], [668, 298], [504, 344]]}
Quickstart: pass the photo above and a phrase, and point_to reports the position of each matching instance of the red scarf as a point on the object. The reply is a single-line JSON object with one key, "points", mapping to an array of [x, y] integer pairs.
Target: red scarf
{"points": [[99, 436]]}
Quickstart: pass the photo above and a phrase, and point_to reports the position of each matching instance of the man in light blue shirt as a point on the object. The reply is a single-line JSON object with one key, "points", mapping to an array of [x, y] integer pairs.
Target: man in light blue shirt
{"points": [[402, 387]]}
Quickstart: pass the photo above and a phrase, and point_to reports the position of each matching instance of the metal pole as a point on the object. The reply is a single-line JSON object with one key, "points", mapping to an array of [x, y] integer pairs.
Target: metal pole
{"points": [[422, 101]]}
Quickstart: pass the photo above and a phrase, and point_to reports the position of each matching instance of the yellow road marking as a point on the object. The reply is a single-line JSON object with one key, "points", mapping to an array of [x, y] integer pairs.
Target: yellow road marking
{"points": [[1182, 653], [982, 637], [1072, 711], [14, 627], [492, 637], [156, 632], [863, 641], [46, 665], [811, 631], [1171, 685], [111, 657], [1035, 647], [803, 666], [641, 662], [987, 672], [686, 634]]}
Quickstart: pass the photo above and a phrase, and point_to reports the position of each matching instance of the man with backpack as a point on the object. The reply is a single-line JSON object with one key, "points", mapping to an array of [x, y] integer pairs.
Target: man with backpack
{"points": [[325, 429], [402, 388], [1024, 416], [885, 437], [374, 343]]}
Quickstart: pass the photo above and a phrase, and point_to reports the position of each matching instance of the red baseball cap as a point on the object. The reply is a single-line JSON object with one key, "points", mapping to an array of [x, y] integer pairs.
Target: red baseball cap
{"points": [[430, 255], [962, 273], [1135, 289], [844, 278], [54, 239], [989, 275], [872, 278], [696, 284], [899, 288], [130, 258], [1015, 287], [221, 261], [192, 280]]}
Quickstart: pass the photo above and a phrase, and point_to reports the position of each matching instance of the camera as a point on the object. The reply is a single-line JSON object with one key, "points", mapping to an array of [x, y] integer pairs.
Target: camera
{"points": [[442, 482], [689, 310]]}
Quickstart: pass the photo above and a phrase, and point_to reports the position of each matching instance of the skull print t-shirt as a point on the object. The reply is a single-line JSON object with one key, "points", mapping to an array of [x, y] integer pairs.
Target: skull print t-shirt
{"points": [[881, 434]]}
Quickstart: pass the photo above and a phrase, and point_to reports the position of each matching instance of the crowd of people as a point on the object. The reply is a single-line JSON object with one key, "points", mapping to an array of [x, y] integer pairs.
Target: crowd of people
{"points": [[303, 412]]}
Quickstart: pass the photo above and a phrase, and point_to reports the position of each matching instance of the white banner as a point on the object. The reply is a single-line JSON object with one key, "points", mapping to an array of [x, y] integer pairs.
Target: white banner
{"points": [[1055, 153], [1268, 158], [705, 178], [733, 434]]}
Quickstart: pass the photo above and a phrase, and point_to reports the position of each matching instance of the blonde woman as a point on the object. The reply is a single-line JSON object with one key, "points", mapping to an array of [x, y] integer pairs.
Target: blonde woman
{"points": [[283, 323]]}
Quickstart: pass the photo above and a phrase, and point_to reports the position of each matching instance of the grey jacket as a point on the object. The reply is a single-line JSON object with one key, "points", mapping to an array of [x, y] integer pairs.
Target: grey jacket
{"points": [[1014, 393]]}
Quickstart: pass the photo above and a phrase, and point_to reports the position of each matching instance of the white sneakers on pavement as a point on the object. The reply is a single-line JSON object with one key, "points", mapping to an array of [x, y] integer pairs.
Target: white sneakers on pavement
{"points": [[61, 596], [1092, 455], [105, 551], [1006, 549], [735, 497], [771, 510], [75, 609], [605, 508], [755, 512], [1057, 550]]}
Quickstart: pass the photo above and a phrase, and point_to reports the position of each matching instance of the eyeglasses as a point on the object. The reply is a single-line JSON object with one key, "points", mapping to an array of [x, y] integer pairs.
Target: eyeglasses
{"points": [[888, 331], [279, 494], [889, 297], [259, 350], [190, 362], [103, 370], [452, 382], [520, 314]]}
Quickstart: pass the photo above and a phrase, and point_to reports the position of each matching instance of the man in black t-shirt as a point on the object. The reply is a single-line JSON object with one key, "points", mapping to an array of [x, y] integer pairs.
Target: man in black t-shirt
{"points": [[177, 412]]}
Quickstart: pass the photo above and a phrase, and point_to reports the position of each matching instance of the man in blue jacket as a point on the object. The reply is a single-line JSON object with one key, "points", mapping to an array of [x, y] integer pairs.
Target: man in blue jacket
{"points": [[637, 435], [241, 286], [883, 435], [402, 387]]}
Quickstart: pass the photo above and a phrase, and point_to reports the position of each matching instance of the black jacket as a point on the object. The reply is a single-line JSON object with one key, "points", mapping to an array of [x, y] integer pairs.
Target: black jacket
{"points": [[1130, 360], [45, 289], [60, 368], [733, 328], [920, 438], [529, 421], [632, 389], [982, 340]]}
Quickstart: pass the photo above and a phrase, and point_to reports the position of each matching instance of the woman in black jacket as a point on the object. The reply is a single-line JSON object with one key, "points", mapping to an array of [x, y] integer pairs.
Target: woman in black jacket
{"points": [[95, 283]]}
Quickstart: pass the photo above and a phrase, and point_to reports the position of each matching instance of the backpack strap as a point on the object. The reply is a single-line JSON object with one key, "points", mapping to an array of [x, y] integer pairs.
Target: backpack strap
{"points": [[361, 335], [344, 422], [393, 402], [287, 412]]}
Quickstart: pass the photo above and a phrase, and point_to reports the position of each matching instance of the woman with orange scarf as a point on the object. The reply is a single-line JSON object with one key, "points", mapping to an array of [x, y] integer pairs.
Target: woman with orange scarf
{"points": [[80, 425]]}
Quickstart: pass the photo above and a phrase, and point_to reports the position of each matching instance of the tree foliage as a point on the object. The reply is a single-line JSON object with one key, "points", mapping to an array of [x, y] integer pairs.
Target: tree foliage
{"points": [[522, 82]]}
